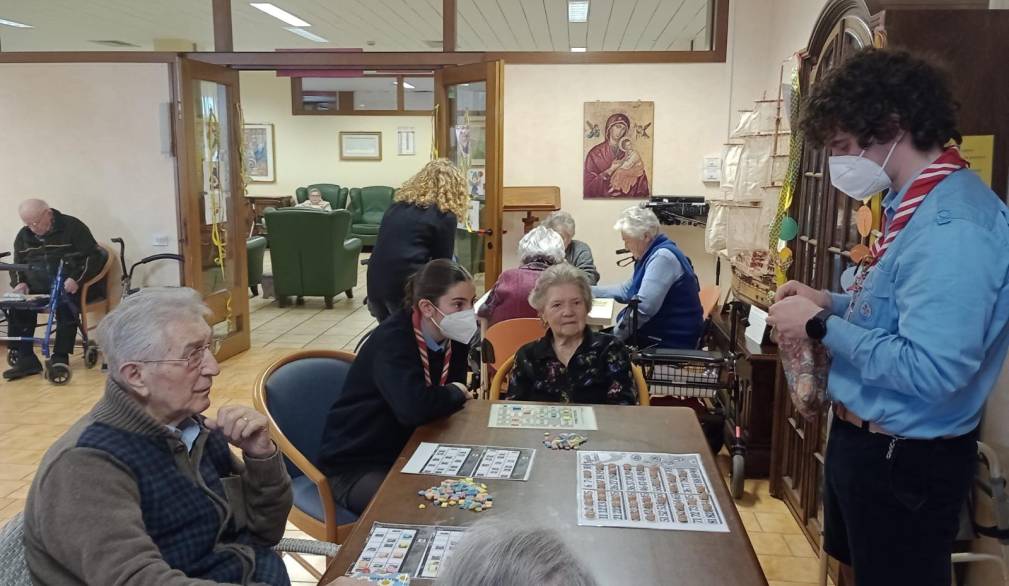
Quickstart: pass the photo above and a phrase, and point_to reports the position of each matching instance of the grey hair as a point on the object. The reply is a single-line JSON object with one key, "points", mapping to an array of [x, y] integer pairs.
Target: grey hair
{"points": [[312, 190], [561, 222], [508, 554], [542, 242], [561, 274], [637, 222], [137, 328]]}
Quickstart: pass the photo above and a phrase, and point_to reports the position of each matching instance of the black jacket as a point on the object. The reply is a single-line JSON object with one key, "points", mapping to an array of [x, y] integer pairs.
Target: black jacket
{"points": [[384, 398], [410, 236], [68, 235]]}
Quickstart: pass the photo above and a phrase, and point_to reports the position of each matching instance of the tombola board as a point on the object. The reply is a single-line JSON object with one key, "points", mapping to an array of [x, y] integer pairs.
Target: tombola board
{"points": [[542, 416]]}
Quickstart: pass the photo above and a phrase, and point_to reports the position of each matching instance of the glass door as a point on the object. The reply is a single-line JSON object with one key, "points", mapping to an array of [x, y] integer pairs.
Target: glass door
{"points": [[214, 223], [469, 120]]}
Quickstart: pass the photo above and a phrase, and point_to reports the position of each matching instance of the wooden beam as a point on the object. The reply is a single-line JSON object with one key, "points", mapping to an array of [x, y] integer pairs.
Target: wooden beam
{"points": [[89, 57], [222, 26], [449, 17]]}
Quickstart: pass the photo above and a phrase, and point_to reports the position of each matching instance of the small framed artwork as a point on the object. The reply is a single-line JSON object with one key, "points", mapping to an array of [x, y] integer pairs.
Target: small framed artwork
{"points": [[259, 156], [406, 141], [476, 179], [360, 146]]}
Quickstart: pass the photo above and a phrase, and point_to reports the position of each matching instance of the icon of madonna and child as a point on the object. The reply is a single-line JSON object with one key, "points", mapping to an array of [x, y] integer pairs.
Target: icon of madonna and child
{"points": [[616, 167]]}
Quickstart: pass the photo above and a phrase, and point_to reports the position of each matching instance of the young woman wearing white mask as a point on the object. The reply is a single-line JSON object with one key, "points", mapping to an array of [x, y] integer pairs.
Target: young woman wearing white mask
{"points": [[919, 334], [411, 371]]}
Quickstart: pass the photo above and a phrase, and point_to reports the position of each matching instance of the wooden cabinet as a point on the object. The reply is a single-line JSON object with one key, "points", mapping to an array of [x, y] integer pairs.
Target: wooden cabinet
{"points": [[260, 203]]}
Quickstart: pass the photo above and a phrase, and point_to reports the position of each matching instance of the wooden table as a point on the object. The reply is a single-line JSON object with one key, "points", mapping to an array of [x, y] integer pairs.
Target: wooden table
{"points": [[614, 555]]}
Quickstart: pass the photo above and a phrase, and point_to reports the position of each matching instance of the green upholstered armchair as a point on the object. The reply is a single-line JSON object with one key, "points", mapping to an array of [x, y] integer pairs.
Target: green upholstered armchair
{"points": [[334, 194], [255, 247], [368, 205], [312, 253]]}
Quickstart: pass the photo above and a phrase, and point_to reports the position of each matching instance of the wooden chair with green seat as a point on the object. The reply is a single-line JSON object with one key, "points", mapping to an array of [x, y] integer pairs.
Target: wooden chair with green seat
{"points": [[498, 386], [295, 394]]}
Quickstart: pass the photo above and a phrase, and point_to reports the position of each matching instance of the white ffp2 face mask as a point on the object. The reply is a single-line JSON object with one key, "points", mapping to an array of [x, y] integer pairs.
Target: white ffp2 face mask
{"points": [[858, 177], [460, 326]]}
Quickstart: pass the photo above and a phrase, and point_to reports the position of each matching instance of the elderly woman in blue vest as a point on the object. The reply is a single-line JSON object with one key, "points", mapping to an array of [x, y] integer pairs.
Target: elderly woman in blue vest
{"points": [[669, 312]]}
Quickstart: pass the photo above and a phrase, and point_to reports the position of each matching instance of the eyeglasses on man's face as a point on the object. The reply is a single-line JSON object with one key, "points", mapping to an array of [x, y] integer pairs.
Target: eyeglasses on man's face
{"points": [[194, 359]]}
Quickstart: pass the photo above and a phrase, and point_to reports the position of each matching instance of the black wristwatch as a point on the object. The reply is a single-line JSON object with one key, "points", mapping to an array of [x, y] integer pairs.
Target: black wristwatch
{"points": [[816, 327]]}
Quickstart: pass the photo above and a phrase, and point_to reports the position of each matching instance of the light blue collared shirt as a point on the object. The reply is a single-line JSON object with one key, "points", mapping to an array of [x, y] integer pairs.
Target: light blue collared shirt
{"points": [[927, 335], [188, 431]]}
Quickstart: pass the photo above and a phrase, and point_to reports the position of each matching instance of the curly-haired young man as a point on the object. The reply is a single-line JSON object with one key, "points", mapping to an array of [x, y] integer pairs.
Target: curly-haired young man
{"points": [[919, 337]]}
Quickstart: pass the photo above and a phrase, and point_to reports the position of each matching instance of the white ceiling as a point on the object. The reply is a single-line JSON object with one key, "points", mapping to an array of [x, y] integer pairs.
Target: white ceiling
{"points": [[374, 25]]}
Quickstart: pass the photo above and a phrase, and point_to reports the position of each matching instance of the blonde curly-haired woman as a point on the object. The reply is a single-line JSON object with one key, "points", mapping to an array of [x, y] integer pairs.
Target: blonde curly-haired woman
{"points": [[419, 227]]}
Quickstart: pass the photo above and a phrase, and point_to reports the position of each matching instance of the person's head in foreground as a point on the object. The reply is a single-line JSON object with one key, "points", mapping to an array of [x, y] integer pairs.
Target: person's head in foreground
{"points": [[498, 553], [541, 245], [880, 116], [638, 227], [562, 297], [564, 224], [144, 487], [441, 293], [440, 183]]}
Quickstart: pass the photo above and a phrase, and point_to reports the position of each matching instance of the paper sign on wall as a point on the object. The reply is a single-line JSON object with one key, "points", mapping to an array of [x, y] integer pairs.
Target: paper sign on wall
{"points": [[406, 140], [758, 325], [980, 151]]}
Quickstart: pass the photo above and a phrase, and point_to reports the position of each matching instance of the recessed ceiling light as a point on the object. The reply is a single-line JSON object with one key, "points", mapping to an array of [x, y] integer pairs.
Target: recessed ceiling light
{"points": [[578, 10], [279, 13], [15, 24], [306, 34], [578, 49]]}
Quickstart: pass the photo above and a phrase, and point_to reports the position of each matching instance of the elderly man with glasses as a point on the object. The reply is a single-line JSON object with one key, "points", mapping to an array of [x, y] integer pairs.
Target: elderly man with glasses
{"points": [[47, 237], [146, 490]]}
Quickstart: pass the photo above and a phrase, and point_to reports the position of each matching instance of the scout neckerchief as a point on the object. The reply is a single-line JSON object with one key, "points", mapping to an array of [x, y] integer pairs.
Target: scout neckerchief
{"points": [[948, 162], [422, 348]]}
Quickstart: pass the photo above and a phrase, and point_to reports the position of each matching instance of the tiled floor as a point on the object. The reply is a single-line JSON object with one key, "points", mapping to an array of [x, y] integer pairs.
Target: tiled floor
{"points": [[33, 414]]}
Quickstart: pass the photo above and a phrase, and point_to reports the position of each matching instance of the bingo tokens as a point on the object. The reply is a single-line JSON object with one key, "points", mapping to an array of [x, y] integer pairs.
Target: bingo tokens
{"points": [[564, 441], [463, 493]]}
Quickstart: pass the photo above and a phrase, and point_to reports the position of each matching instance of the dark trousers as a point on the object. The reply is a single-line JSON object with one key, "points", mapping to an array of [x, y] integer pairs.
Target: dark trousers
{"points": [[380, 309], [354, 488], [891, 506], [22, 325]]}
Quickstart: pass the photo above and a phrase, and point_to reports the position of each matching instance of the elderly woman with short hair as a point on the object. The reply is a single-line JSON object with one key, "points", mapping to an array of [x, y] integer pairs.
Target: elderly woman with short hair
{"points": [[576, 252], [669, 309], [315, 201], [538, 250], [571, 363]]}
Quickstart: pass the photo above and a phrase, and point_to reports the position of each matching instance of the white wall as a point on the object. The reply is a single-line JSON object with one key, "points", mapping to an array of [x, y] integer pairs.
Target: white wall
{"points": [[93, 141], [308, 148], [695, 107]]}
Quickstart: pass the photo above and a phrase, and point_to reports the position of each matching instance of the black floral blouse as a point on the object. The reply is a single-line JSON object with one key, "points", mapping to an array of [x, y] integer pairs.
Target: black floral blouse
{"points": [[598, 372]]}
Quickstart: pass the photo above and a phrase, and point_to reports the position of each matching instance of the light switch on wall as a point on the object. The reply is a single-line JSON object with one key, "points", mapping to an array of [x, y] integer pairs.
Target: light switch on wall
{"points": [[161, 240], [712, 171]]}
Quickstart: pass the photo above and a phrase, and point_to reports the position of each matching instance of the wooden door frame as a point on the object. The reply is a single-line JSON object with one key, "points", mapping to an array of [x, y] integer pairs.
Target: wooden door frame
{"points": [[492, 73], [184, 122]]}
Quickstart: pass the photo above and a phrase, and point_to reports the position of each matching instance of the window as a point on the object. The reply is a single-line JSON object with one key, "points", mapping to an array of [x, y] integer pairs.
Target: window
{"points": [[367, 94]]}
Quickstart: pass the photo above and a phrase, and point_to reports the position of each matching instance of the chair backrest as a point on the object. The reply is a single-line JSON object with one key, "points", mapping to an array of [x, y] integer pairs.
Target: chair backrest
{"points": [[296, 394], [641, 384], [709, 299], [98, 285], [255, 250], [506, 337], [13, 568], [334, 194], [305, 246], [369, 204]]}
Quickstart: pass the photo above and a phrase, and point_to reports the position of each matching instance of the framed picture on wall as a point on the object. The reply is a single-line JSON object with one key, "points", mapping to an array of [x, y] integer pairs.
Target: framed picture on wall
{"points": [[258, 152], [360, 146], [617, 149]]}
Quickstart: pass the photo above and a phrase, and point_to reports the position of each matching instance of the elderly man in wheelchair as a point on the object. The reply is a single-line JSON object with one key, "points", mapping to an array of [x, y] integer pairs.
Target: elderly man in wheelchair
{"points": [[47, 238]]}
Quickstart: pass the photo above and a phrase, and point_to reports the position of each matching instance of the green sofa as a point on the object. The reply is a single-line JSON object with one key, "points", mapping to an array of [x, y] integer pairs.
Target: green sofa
{"points": [[334, 194], [312, 253], [368, 205], [255, 247]]}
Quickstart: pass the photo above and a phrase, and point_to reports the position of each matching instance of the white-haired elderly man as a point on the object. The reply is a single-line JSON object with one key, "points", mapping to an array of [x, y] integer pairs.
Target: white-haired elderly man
{"points": [[576, 252], [146, 490], [47, 237], [538, 250], [664, 283]]}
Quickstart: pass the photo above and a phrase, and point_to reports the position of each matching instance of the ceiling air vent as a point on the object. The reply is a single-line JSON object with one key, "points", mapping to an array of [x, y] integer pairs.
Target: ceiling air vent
{"points": [[115, 44]]}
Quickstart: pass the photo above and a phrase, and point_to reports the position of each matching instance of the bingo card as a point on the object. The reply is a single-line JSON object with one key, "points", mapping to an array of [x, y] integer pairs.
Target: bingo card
{"points": [[410, 551], [647, 491], [488, 462], [553, 416]]}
